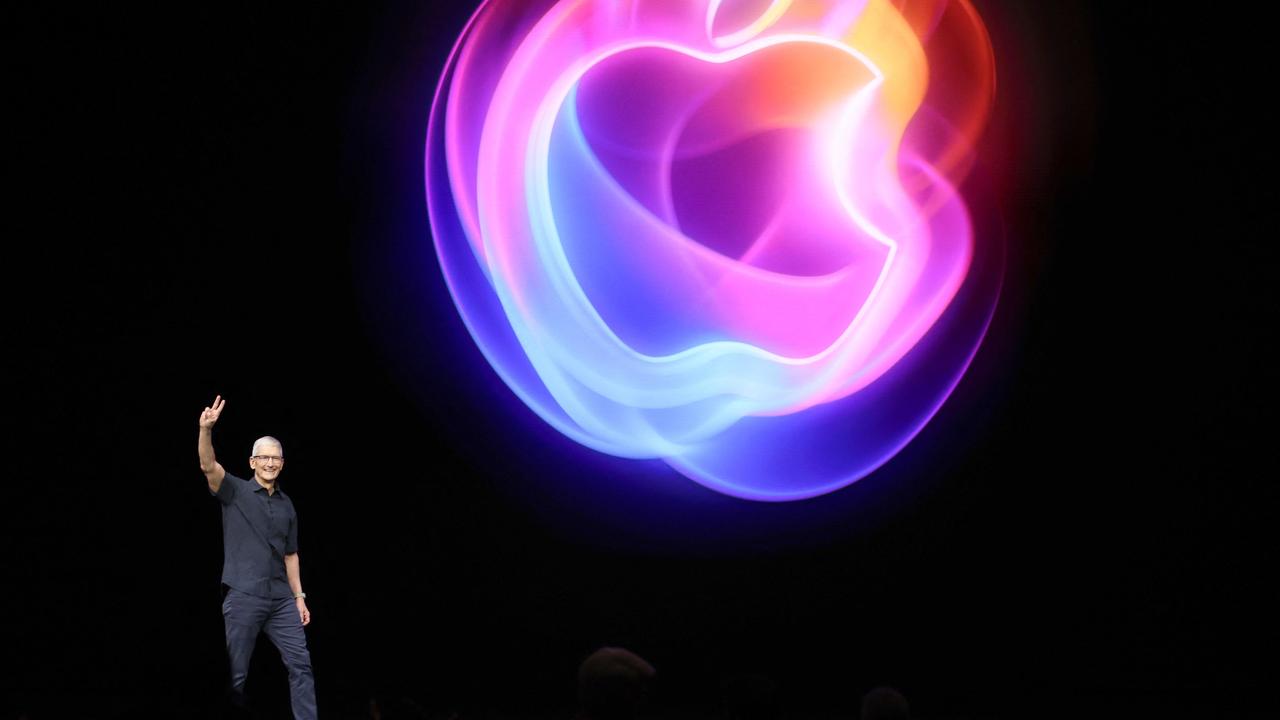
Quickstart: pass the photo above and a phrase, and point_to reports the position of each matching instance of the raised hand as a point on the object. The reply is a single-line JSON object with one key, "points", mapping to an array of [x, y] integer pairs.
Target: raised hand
{"points": [[210, 414]]}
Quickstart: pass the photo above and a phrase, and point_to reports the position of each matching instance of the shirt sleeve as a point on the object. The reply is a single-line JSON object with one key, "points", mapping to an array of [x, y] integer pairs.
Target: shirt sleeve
{"points": [[291, 542], [227, 490]]}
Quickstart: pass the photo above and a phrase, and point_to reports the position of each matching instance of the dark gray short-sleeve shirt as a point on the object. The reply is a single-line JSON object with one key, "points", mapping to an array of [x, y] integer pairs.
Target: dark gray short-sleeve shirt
{"points": [[258, 530]]}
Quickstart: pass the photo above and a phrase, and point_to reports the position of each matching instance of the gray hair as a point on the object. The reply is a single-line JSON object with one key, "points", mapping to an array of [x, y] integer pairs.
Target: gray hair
{"points": [[266, 440]]}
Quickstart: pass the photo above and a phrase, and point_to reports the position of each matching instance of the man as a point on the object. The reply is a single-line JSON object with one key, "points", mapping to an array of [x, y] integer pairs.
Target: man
{"points": [[260, 564]]}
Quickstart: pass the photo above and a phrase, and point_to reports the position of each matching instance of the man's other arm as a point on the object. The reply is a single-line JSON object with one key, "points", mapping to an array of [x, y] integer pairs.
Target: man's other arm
{"points": [[295, 584]]}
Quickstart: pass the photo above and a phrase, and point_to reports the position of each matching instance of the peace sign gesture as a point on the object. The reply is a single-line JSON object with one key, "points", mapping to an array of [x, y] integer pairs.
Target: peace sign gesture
{"points": [[210, 414]]}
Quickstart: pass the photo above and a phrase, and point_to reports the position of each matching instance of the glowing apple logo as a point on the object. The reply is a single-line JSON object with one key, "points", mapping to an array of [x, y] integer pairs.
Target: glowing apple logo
{"points": [[724, 234]]}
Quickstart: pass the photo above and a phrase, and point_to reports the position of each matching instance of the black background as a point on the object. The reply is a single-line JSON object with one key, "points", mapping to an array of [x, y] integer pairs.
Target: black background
{"points": [[228, 199]]}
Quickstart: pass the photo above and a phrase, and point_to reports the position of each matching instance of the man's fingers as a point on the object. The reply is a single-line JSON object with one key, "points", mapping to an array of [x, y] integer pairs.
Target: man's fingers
{"points": [[212, 412]]}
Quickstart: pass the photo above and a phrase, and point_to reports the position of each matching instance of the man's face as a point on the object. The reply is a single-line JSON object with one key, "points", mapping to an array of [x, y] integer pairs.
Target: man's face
{"points": [[267, 463]]}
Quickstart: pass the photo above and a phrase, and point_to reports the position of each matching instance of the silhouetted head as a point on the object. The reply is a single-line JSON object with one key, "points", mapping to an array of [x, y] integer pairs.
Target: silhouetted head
{"points": [[612, 684], [751, 697], [884, 703]]}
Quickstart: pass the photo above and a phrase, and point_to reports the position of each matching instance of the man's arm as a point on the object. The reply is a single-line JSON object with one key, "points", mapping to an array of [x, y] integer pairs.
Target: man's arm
{"points": [[295, 584], [209, 465]]}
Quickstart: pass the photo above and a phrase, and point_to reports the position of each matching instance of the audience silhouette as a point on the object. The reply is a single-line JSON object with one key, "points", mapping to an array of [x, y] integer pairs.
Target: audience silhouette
{"points": [[612, 685], [884, 703]]}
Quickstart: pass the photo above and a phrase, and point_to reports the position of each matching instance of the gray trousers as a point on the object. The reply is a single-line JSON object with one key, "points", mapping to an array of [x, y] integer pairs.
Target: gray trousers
{"points": [[247, 615]]}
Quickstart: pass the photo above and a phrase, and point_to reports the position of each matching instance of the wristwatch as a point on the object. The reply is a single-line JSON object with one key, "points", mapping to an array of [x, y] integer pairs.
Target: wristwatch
{"points": [[299, 595]]}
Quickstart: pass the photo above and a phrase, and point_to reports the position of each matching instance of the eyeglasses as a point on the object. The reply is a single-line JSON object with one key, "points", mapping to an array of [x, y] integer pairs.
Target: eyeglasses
{"points": [[268, 458]]}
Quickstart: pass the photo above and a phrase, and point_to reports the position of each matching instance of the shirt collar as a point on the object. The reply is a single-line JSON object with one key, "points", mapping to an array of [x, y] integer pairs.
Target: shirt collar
{"points": [[257, 487]]}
